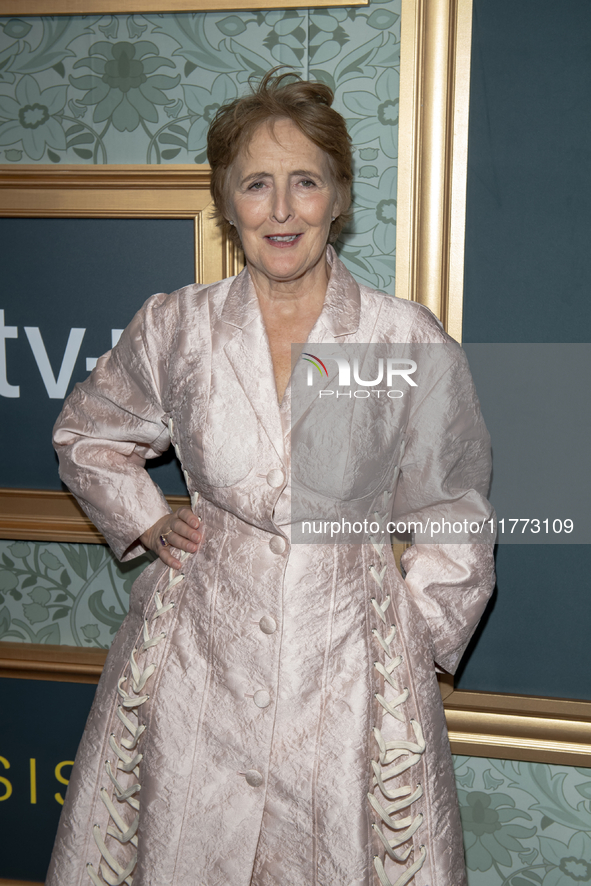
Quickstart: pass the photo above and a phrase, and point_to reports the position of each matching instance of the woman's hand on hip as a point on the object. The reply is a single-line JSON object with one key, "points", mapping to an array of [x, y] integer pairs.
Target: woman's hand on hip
{"points": [[176, 532]]}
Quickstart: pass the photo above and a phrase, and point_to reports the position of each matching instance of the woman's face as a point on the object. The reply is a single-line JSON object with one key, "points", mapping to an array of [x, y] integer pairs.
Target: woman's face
{"points": [[282, 201]]}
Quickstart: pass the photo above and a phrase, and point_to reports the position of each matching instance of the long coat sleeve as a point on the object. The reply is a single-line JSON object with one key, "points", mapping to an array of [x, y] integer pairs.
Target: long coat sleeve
{"points": [[443, 482], [116, 420], [270, 716]]}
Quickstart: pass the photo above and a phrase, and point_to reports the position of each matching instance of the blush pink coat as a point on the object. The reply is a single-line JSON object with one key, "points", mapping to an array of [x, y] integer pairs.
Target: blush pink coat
{"points": [[270, 716]]}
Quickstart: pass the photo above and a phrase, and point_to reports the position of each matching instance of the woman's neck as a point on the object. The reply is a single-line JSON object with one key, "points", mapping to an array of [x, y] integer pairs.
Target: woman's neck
{"points": [[293, 295], [289, 310]]}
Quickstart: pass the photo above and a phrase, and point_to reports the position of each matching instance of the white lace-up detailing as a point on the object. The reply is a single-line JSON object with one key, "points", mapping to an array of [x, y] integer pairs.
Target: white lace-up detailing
{"points": [[131, 691], [394, 757]]}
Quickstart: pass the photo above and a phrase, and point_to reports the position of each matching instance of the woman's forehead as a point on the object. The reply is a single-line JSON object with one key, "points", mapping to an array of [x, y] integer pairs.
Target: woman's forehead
{"points": [[281, 141]]}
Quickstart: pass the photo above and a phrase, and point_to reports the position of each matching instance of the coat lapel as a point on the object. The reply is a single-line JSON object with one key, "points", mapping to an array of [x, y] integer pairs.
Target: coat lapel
{"points": [[339, 318], [249, 355]]}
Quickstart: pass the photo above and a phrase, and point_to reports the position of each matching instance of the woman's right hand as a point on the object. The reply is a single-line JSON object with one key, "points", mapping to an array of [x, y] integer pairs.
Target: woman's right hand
{"points": [[181, 531]]}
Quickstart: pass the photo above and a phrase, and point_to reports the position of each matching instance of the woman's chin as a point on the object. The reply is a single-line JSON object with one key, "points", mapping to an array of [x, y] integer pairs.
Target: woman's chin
{"points": [[286, 266]]}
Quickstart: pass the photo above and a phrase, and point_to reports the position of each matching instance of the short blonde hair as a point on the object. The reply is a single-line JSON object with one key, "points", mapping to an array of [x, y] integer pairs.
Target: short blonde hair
{"points": [[306, 103]]}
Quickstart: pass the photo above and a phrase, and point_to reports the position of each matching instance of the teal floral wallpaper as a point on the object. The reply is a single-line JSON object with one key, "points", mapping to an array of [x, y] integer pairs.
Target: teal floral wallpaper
{"points": [[73, 595], [144, 88], [525, 824]]}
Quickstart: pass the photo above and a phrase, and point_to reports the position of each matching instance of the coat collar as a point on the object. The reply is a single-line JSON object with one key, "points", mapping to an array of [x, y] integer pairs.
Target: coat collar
{"points": [[249, 354], [342, 304], [340, 313]]}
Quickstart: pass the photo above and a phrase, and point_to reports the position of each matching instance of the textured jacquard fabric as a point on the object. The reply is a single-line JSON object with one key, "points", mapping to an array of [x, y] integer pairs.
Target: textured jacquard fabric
{"points": [[291, 730]]}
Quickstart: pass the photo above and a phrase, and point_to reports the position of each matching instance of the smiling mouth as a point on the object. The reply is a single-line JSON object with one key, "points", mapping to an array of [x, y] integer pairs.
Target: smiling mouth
{"points": [[282, 238]]}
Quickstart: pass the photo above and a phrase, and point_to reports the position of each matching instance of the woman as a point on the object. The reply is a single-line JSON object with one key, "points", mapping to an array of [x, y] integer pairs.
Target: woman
{"points": [[260, 720]]}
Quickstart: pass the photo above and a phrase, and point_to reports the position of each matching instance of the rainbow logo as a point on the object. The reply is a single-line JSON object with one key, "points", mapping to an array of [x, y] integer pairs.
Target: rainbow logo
{"points": [[315, 361]]}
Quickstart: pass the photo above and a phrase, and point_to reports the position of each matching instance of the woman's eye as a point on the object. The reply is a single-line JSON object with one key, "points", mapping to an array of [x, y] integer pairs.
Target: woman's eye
{"points": [[308, 183], [256, 186]]}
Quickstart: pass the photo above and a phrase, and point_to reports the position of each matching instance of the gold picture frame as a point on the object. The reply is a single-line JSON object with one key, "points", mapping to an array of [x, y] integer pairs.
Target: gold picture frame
{"points": [[436, 40], [122, 191], [173, 191], [122, 7]]}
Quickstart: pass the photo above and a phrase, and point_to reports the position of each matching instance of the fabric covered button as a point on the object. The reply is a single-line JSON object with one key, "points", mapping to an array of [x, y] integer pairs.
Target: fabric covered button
{"points": [[277, 544], [261, 698], [267, 624], [253, 778], [276, 478]]}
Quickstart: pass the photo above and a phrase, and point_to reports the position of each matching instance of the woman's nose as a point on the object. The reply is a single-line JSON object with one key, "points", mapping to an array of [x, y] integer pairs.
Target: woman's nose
{"points": [[282, 209]]}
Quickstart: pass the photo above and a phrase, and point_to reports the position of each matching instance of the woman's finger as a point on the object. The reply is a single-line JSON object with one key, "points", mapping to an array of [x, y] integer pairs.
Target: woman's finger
{"points": [[187, 543], [186, 525], [172, 534], [169, 553], [169, 557], [188, 517]]}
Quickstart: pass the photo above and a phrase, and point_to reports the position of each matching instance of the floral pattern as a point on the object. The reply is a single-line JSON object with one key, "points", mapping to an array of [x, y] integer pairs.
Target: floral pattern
{"points": [[375, 209], [32, 117], [75, 595], [571, 864], [554, 850], [382, 105], [127, 90], [202, 105], [144, 88], [487, 836]]}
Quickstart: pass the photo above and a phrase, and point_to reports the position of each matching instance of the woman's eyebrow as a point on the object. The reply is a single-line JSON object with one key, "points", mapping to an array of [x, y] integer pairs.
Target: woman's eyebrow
{"points": [[306, 172], [253, 176]]}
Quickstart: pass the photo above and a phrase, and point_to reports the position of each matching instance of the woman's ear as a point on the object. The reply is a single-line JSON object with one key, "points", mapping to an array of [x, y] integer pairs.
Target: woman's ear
{"points": [[336, 208]]}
